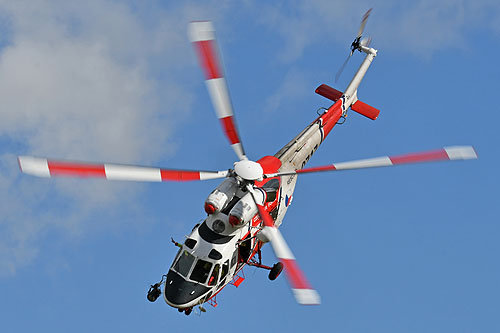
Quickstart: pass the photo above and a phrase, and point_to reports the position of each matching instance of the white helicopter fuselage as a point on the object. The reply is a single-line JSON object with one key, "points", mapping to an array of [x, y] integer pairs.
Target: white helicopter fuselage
{"points": [[227, 259]]}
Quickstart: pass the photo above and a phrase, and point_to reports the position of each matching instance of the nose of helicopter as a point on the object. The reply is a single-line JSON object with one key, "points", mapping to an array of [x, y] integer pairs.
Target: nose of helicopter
{"points": [[180, 293]]}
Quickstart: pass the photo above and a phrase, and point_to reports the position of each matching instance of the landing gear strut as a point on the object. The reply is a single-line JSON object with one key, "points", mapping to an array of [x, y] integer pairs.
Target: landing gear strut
{"points": [[274, 271]]}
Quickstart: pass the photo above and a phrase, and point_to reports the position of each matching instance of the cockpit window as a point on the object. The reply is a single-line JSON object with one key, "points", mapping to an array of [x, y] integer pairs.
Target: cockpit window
{"points": [[215, 276], [177, 256], [184, 263], [201, 271]]}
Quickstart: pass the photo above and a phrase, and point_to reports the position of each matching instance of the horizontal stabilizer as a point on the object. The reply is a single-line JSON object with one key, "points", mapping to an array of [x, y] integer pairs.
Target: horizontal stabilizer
{"points": [[360, 107], [329, 92], [366, 110]]}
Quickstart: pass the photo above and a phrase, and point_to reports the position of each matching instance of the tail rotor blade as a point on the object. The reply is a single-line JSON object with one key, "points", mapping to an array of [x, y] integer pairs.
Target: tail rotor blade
{"points": [[363, 22], [337, 76], [303, 292], [202, 35], [445, 154], [366, 41], [42, 167]]}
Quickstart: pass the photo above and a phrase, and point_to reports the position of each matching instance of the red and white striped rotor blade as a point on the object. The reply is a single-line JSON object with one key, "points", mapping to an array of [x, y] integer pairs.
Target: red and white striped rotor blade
{"points": [[302, 291], [43, 167], [444, 154], [202, 35]]}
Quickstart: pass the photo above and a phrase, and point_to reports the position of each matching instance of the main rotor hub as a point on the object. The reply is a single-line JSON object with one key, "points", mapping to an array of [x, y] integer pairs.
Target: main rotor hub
{"points": [[248, 170]]}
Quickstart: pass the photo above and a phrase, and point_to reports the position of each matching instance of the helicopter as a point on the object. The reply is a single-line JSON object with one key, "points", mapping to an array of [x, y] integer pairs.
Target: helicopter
{"points": [[244, 212]]}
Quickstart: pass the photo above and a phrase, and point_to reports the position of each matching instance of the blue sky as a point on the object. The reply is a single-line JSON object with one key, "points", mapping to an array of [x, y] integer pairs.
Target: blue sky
{"points": [[411, 249]]}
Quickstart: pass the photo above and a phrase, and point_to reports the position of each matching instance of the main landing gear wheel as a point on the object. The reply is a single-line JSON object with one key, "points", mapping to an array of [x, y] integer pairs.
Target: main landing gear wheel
{"points": [[187, 312], [275, 271]]}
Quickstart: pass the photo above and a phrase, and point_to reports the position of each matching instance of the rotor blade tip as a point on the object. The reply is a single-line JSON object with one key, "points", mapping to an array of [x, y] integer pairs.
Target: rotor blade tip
{"points": [[461, 152], [307, 296], [34, 166], [200, 31]]}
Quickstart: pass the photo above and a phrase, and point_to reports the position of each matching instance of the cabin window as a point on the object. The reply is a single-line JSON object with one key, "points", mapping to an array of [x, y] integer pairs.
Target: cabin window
{"points": [[201, 271], [190, 243], [215, 255], [271, 188], [234, 258], [215, 276], [184, 263], [225, 269]]}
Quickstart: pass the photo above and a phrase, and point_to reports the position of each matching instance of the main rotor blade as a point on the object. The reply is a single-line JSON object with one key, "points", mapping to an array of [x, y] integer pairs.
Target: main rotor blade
{"points": [[303, 292], [202, 35], [363, 22], [445, 154], [42, 167]]}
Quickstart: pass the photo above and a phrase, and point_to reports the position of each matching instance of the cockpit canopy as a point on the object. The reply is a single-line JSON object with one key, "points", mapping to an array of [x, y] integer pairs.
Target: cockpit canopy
{"points": [[198, 270]]}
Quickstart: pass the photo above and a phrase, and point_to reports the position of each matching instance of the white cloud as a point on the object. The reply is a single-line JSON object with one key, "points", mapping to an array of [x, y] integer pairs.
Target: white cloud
{"points": [[304, 23], [419, 27], [89, 80], [295, 86]]}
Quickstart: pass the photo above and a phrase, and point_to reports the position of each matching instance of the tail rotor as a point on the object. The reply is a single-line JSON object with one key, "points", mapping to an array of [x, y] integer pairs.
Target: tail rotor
{"points": [[358, 41]]}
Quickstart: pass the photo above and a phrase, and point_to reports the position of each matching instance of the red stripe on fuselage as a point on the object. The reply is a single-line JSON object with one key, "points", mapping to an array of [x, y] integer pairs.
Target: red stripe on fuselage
{"points": [[295, 276], [266, 218], [208, 59], [179, 175], [76, 169], [230, 129], [420, 157], [331, 117]]}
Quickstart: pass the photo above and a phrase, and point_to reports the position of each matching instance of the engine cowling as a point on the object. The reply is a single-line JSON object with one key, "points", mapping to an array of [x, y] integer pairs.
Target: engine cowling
{"points": [[218, 199], [245, 209]]}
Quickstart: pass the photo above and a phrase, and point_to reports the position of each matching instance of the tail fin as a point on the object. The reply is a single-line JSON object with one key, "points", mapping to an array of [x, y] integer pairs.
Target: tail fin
{"points": [[360, 107]]}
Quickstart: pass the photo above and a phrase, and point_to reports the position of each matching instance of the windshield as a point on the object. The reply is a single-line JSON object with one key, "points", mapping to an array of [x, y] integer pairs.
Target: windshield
{"points": [[201, 271], [183, 265]]}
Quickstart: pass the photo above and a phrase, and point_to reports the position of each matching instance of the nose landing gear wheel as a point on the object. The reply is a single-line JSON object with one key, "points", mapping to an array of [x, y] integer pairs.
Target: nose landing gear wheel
{"points": [[275, 271]]}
